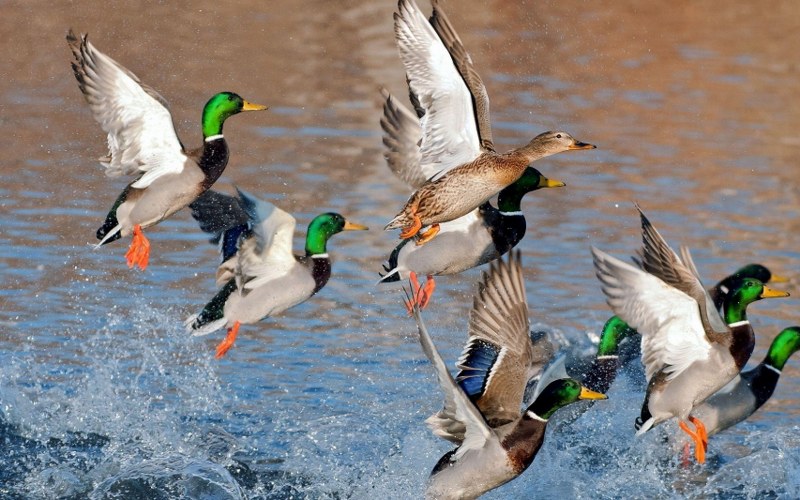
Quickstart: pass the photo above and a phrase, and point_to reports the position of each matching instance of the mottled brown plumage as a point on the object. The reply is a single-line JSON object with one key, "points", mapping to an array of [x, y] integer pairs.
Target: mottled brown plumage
{"points": [[464, 188]]}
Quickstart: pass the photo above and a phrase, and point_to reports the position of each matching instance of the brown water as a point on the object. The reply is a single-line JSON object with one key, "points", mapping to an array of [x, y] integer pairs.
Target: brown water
{"points": [[693, 106]]}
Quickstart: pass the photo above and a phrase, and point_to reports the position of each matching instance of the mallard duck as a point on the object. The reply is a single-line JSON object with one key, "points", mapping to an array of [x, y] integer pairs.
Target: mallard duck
{"points": [[688, 349], [758, 271], [142, 141], [479, 237], [599, 373], [456, 133], [497, 441], [749, 390], [259, 274]]}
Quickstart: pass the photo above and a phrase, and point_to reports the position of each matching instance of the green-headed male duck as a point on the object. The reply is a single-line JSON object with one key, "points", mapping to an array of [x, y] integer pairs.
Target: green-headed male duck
{"points": [[456, 133], [496, 440], [749, 390], [259, 274], [757, 271], [688, 349], [479, 237], [142, 141]]}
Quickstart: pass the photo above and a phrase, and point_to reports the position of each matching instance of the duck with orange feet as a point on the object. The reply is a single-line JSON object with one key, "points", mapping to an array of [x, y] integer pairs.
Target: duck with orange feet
{"points": [[259, 275], [688, 349], [481, 236], [456, 135], [142, 141]]}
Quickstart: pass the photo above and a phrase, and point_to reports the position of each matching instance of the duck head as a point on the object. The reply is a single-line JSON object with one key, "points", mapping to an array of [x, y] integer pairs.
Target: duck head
{"points": [[222, 106], [510, 198], [745, 293], [560, 393], [785, 344], [323, 227], [550, 143], [614, 331]]}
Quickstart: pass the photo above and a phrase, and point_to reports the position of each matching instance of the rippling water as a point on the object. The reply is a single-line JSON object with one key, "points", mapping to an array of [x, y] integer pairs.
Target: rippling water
{"points": [[102, 394]]}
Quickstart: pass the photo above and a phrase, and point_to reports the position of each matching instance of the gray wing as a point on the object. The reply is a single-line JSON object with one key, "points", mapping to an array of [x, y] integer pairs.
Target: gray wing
{"points": [[658, 259], [401, 136], [463, 63], [457, 405]]}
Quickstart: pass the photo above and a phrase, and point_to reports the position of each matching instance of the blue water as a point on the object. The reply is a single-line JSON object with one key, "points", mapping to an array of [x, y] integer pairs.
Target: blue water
{"points": [[103, 394]]}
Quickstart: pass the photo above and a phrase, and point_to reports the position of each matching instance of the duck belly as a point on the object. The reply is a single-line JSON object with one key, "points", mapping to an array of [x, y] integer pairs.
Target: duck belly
{"points": [[456, 248], [677, 397], [473, 475], [165, 196], [273, 297], [454, 196]]}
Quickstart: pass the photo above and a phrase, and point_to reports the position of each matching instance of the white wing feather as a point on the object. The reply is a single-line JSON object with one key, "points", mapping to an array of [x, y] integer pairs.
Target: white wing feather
{"points": [[669, 320], [449, 131], [269, 254], [141, 135], [457, 404]]}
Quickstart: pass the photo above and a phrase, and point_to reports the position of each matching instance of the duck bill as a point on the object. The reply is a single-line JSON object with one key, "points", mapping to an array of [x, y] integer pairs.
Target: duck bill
{"points": [[544, 182], [352, 226], [590, 394], [249, 106], [778, 279], [581, 145], [768, 292]]}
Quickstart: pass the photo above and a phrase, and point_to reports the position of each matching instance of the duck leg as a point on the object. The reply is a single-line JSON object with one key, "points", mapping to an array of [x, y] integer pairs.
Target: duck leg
{"points": [[701, 431], [699, 448], [139, 251], [420, 295], [427, 235], [230, 338]]}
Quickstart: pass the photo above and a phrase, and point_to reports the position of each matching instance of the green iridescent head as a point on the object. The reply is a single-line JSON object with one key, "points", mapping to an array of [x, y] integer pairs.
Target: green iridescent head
{"points": [[614, 331], [745, 293], [560, 393], [222, 106], [323, 227], [509, 198], [757, 271], [784, 345]]}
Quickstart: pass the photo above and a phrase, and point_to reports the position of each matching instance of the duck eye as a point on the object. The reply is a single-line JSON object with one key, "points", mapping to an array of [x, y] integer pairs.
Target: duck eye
{"points": [[558, 136]]}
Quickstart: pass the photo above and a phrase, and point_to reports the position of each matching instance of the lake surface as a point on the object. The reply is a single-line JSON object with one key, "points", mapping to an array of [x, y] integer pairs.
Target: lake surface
{"points": [[693, 106]]}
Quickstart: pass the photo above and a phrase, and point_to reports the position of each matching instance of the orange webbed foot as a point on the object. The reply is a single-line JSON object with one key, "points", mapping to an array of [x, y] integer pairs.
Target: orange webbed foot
{"points": [[227, 343], [428, 235], [411, 230], [699, 447], [420, 295], [139, 251], [701, 431]]}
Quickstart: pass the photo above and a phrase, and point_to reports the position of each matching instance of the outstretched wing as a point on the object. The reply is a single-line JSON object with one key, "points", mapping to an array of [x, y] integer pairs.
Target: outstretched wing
{"points": [[401, 136], [463, 62], [449, 130], [673, 336], [658, 259], [457, 406], [499, 351], [141, 136], [269, 253]]}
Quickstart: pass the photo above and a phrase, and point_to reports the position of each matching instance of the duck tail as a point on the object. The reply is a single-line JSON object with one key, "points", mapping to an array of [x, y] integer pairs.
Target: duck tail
{"points": [[642, 427], [111, 228], [391, 276], [400, 221], [392, 266]]}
